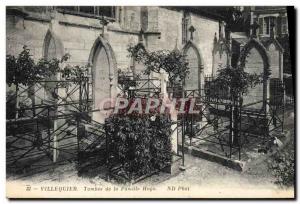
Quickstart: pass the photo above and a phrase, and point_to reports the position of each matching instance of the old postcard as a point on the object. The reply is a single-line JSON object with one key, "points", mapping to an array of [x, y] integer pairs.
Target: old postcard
{"points": [[150, 102]]}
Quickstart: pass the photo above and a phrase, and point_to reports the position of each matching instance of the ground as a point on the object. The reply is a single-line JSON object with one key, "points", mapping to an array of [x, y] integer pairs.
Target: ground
{"points": [[198, 172], [204, 178]]}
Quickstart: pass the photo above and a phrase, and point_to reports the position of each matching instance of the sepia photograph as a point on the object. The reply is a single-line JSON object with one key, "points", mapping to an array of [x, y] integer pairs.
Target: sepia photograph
{"points": [[150, 102]]}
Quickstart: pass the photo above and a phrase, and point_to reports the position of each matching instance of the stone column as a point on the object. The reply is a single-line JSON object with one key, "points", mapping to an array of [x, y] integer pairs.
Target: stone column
{"points": [[54, 28], [164, 78]]}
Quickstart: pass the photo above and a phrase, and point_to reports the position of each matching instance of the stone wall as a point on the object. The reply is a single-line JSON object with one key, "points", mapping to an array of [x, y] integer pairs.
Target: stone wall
{"points": [[204, 38], [76, 35]]}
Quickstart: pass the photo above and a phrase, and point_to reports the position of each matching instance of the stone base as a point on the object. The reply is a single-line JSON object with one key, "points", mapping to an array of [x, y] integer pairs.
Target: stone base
{"points": [[174, 168], [182, 168], [236, 164], [203, 154]]}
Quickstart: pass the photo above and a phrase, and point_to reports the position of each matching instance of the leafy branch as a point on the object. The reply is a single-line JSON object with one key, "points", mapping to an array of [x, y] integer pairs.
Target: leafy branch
{"points": [[24, 70], [237, 80], [173, 62]]}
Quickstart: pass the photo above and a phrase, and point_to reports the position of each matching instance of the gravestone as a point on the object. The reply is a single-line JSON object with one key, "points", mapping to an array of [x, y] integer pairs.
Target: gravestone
{"points": [[147, 84], [275, 61], [254, 65], [192, 80], [275, 85], [51, 54], [54, 50], [220, 57], [139, 69], [43, 93], [102, 88], [164, 78]]}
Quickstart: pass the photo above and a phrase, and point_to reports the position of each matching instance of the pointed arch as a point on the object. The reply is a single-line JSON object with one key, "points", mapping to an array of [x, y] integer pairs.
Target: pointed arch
{"points": [[225, 47], [276, 43], [139, 67], [52, 48], [191, 46], [276, 60], [262, 51], [220, 47], [253, 43], [104, 71], [102, 42], [52, 39]]}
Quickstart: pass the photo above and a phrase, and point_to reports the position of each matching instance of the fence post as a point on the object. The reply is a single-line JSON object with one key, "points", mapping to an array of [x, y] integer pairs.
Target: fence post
{"points": [[55, 142], [17, 102]]}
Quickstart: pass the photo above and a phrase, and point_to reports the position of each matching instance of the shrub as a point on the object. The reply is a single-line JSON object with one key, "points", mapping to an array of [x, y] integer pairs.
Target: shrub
{"points": [[138, 145], [282, 165]]}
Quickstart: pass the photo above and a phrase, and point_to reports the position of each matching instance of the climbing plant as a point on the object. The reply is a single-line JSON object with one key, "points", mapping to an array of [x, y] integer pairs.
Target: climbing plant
{"points": [[238, 81], [173, 62], [127, 79], [24, 70]]}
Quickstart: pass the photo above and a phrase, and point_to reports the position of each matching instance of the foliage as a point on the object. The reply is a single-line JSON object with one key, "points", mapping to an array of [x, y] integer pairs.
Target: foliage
{"points": [[172, 62], [127, 80], [23, 69], [74, 73], [237, 80], [139, 145], [282, 165], [235, 20]]}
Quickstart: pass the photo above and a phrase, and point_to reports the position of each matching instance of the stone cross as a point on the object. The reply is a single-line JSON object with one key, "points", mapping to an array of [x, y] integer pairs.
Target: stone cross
{"points": [[141, 36], [192, 30], [254, 28], [104, 23]]}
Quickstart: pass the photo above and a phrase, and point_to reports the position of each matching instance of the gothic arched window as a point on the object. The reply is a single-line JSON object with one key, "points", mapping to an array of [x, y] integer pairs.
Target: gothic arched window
{"points": [[186, 22]]}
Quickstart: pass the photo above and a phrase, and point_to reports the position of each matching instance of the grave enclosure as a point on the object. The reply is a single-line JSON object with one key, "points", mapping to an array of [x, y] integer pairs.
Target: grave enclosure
{"points": [[71, 129]]}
